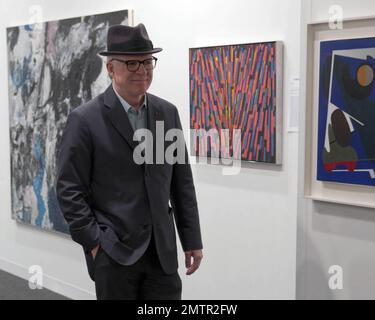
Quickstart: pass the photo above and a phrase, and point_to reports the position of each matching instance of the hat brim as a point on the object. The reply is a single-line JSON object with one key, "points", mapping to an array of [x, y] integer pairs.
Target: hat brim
{"points": [[116, 53]]}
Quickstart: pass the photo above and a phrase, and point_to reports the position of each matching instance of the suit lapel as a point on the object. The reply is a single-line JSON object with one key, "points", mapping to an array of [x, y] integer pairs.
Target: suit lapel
{"points": [[153, 115], [118, 117]]}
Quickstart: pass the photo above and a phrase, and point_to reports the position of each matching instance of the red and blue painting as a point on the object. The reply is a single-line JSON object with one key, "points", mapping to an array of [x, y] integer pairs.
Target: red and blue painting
{"points": [[346, 123], [238, 87]]}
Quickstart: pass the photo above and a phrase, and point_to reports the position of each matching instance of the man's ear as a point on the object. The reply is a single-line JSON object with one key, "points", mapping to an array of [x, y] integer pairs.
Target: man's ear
{"points": [[110, 69]]}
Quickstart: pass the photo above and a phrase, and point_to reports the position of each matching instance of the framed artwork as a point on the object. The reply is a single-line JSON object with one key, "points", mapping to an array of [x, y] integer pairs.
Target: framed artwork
{"points": [[237, 88], [337, 111], [53, 68], [346, 123]]}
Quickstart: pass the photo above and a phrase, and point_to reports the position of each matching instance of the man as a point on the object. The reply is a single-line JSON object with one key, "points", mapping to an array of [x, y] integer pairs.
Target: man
{"points": [[119, 210]]}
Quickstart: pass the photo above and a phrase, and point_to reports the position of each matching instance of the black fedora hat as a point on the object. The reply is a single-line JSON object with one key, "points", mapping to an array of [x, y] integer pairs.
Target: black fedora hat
{"points": [[128, 40]]}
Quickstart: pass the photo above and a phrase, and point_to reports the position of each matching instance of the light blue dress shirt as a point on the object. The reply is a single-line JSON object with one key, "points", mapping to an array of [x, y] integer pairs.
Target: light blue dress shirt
{"points": [[138, 119]]}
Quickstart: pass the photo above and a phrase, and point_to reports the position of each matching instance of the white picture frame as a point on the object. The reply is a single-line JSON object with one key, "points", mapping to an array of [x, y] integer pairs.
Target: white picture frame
{"points": [[333, 192]]}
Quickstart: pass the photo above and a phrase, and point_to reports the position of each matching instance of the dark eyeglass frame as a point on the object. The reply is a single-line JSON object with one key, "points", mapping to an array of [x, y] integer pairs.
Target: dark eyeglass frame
{"points": [[127, 62]]}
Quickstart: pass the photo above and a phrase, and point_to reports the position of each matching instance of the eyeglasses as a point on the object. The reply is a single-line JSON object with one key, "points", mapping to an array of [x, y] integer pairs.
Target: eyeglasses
{"points": [[133, 65]]}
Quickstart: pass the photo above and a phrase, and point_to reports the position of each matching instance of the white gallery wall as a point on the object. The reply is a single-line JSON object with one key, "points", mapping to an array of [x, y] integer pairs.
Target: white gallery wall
{"points": [[248, 221], [332, 234]]}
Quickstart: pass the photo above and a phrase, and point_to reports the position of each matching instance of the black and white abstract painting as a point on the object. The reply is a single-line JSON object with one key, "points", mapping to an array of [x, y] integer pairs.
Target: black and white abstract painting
{"points": [[53, 68]]}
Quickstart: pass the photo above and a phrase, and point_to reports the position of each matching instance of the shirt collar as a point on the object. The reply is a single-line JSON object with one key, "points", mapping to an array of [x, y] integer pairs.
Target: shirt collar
{"points": [[126, 105]]}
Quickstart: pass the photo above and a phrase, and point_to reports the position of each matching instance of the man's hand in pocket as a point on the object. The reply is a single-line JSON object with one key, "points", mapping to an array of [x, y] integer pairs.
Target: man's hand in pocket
{"points": [[95, 251]]}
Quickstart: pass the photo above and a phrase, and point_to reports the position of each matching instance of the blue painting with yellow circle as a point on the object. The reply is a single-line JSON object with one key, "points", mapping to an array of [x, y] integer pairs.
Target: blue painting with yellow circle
{"points": [[346, 120]]}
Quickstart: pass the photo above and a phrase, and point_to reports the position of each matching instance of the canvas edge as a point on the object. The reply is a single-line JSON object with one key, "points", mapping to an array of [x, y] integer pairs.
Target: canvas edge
{"points": [[279, 101]]}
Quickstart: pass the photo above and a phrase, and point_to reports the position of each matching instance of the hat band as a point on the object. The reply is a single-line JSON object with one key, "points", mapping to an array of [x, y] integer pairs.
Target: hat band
{"points": [[132, 47]]}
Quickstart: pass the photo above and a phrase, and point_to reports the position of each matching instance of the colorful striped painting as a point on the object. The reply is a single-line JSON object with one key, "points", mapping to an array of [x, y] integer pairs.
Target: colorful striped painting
{"points": [[238, 87]]}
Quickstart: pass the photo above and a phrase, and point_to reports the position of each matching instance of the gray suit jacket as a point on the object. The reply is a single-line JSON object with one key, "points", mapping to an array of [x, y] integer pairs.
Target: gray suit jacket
{"points": [[108, 199]]}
